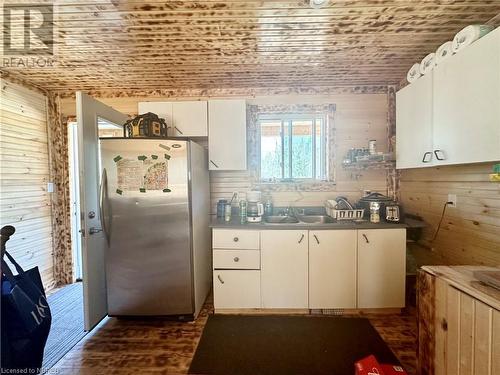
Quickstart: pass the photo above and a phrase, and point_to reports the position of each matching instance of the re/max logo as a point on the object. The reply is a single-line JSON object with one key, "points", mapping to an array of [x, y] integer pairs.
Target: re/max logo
{"points": [[28, 29]]}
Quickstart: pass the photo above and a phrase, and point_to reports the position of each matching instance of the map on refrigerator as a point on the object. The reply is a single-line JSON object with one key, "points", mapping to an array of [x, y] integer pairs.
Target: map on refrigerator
{"points": [[141, 174]]}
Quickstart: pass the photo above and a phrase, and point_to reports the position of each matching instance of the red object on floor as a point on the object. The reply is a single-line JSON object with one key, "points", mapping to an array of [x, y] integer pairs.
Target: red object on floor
{"points": [[368, 366], [393, 370]]}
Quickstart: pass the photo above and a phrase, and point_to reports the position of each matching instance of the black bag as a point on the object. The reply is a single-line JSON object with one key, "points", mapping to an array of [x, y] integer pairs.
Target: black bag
{"points": [[25, 317]]}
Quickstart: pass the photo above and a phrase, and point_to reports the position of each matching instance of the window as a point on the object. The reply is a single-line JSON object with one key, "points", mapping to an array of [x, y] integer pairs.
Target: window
{"points": [[292, 146]]}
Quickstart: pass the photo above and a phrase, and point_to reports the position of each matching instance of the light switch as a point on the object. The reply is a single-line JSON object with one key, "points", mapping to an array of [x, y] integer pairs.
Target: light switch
{"points": [[50, 187]]}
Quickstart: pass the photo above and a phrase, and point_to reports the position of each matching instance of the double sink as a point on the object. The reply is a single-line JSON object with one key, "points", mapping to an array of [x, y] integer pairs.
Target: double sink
{"points": [[299, 219]]}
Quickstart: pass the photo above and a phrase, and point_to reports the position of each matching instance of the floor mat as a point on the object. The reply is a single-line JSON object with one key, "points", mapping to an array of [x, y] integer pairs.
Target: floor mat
{"points": [[237, 344], [66, 306]]}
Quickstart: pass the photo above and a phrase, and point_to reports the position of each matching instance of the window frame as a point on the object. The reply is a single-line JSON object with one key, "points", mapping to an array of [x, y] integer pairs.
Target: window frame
{"points": [[284, 118]]}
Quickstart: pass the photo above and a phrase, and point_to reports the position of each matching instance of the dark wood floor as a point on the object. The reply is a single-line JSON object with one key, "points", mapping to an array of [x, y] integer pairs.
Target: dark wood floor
{"points": [[120, 346]]}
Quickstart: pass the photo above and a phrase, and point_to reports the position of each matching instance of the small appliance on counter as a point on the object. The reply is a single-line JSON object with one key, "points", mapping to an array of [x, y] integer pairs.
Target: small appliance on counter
{"points": [[389, 210], [255, 208]]}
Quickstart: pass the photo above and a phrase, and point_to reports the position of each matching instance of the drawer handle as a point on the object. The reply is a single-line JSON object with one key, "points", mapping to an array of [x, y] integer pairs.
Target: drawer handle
{"points": [[424, 159], [236, 239], [438, 153], [301, 238], [366, 238], [220, 279], [216, 166], [316, 238], [236, 259]]}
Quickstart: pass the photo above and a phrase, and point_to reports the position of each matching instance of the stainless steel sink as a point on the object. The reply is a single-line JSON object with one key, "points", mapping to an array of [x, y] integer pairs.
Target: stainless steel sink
{"points": [[315, 219], [281, 220]]}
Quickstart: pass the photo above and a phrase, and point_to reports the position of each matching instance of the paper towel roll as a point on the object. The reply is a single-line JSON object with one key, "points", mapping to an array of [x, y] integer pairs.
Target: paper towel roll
{"points": [[428, 63], [414, 73], [444, 51], [469, 35]]}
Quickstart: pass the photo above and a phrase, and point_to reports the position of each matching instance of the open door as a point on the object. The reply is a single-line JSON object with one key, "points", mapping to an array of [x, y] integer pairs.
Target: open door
{"points": [[88, 113]]}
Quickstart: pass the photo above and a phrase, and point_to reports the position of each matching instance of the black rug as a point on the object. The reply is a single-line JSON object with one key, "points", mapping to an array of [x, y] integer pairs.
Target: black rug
{"points": [[260, 345], [66, 306]]}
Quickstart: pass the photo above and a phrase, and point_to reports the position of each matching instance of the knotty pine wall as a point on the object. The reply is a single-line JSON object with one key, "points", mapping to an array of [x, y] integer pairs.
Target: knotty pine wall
{"points": [[470, 233], [24, 174], [360, 116]]}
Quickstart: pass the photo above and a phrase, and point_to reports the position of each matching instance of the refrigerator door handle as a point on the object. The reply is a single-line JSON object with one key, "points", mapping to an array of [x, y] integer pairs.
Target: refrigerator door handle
{"points": [[103, 190]]}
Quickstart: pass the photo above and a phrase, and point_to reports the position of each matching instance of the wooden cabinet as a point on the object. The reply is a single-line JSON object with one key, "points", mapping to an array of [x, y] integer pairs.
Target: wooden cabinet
{"points": [[284, 270], [184, 119], [381, 268], [454, 111], [467, 104], [227, 141], [414, 124], [458, 322], [235, 289], [332, 269]]}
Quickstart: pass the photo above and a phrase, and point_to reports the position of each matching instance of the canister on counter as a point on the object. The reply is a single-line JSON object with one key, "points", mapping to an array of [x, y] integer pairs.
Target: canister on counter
{"points": [[372, 146], [374, 212], [221, 207]]}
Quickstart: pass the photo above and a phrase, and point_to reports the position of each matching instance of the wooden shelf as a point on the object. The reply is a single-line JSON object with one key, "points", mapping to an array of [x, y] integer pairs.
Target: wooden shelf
{"points": [[371, 165]]}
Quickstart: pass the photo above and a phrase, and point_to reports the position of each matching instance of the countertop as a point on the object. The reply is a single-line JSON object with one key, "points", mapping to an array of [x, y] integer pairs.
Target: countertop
{"points": [[235, 224], [462, 278]]}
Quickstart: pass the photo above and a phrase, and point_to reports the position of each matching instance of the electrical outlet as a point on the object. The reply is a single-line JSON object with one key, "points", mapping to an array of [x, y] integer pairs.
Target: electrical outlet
{"points": [[453, 199], [235, 195]]}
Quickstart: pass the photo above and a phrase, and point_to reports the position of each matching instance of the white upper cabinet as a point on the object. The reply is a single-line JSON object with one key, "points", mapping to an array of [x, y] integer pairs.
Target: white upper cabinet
{"points": [[467, 104], [414, 124], [184, 119], [227, 130], [454, 111], [162, 109]]}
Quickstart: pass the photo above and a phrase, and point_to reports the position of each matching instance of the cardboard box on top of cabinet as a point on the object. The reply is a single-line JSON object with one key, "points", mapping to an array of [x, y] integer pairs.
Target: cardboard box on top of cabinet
{"points": [[370, 366]]}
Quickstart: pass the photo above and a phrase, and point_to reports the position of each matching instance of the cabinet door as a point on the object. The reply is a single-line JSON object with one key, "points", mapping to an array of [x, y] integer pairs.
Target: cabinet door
{"points": [[381, 268], [235, 289], [162, 109], [227, 135], [284, 270], [414, 124], [332, 269], [467, 104], [190, 118]]}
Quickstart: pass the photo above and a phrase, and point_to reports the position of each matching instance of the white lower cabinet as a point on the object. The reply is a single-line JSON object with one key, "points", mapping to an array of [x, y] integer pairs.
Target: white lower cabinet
{"points": [[381, 268], [236, 289], [332, 269], [316, 269], [284, 270]]}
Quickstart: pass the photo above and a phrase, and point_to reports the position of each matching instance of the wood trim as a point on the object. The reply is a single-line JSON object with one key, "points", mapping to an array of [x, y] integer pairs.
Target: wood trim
{"points": [[426, 286]]}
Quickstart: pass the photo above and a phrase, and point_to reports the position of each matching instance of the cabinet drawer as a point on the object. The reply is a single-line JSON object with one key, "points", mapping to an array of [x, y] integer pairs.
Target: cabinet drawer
{"points": [[237, 259], [235, 289], [236, 239]]}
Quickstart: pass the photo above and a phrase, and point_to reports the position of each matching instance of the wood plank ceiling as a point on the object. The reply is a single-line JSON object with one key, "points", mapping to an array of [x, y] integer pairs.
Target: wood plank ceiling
{"points": [[111, 44]]}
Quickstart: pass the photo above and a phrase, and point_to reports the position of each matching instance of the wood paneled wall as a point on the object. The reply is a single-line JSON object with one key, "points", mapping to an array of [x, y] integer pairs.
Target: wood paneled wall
{"points": [[24, 173], [358, 118], [470, 233], [361, 115]]}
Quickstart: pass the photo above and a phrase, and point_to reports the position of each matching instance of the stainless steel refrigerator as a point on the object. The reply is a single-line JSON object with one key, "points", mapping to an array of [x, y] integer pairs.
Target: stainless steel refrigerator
{"points": [[155, 208]]}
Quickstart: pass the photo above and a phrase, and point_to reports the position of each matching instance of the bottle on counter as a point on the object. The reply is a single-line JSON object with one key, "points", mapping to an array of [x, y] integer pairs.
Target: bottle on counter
{"points": [[374, 212], [227, 212], [268, 207], [243, 211]]}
